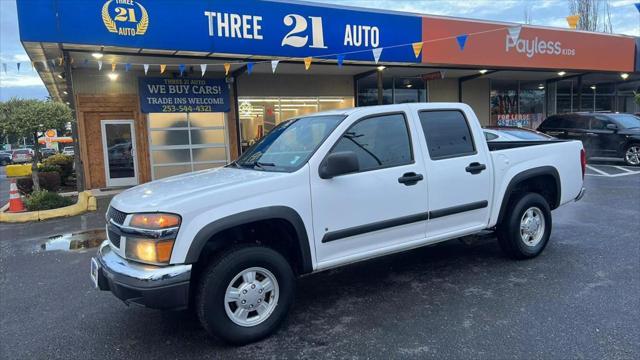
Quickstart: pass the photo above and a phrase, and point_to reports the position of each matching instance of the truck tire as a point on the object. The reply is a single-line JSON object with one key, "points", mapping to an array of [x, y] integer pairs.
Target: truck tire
{"points": [[245, 294], [526, 226]]}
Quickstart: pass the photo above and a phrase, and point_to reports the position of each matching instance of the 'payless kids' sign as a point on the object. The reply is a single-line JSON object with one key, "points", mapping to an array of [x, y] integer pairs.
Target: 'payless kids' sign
{"points": [[163, 95]]}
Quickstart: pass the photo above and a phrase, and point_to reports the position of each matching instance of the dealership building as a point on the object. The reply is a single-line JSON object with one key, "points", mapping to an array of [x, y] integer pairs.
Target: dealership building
{"points": [[166, 87]]}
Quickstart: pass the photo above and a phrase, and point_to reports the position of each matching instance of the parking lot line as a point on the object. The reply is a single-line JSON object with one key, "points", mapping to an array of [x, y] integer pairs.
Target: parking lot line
{"points": [[597, 170], [622, 168]]}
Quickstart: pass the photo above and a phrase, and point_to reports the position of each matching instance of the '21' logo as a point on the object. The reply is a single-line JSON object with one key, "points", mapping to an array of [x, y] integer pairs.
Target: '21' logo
{"points": [[300, 24]]}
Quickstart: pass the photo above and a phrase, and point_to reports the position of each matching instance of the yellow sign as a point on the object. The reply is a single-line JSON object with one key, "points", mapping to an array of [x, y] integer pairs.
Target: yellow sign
{"points": [[130, 18]]}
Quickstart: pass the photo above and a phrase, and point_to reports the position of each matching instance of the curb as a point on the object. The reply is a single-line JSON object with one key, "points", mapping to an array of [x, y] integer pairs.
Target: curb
{"points": [[86, 202]]}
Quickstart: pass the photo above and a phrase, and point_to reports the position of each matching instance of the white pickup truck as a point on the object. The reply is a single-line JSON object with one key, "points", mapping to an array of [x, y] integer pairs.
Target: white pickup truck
{"points": [[322, 191]]}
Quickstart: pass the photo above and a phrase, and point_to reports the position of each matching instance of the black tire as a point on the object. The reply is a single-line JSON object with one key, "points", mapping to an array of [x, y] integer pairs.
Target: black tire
{"points": [[215, 279], [624, 154], [509, 236]]}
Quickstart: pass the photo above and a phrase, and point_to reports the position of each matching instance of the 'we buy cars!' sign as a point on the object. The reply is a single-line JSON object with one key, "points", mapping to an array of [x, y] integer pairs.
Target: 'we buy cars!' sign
{"points": [[163, 95]]}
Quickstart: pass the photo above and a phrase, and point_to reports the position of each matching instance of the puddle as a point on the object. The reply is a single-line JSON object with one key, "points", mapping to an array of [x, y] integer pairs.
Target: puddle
{"points": [[76, 241]]}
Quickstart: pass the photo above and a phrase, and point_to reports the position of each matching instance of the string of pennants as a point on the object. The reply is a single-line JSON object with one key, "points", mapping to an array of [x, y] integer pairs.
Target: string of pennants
{"points": [[461, 40]]}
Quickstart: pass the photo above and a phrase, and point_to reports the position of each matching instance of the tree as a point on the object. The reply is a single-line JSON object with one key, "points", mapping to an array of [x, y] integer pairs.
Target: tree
{"points": [[25, 118], [595, 15]]}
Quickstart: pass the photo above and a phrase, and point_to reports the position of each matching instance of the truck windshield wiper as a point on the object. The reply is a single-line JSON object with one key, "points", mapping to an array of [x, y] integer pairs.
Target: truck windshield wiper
{"points": [[261, 165]]}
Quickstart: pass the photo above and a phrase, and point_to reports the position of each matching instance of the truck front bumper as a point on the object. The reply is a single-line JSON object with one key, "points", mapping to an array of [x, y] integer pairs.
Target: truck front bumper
{"points": [[158, 287]]}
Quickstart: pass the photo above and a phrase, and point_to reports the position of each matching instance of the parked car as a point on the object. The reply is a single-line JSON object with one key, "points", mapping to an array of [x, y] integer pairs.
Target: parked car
{"points": [[322, 191], [501, 133], [5, 158], [603, 134], [22, 156], [68, 150], [46, 152]]}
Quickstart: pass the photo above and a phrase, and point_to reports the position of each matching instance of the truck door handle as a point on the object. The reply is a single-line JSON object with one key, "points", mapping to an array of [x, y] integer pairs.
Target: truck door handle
{"points": [[410, 178], [475, 168]]}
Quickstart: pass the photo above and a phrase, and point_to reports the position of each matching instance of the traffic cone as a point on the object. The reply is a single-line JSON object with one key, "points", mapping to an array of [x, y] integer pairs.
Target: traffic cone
{"points": [[15, 202]]}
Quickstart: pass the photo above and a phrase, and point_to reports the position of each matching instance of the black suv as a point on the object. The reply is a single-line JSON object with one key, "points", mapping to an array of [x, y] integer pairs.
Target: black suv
{"points": [[603, 134]]}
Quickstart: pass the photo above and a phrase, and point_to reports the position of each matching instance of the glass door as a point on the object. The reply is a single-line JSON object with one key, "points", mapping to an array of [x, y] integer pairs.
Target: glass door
{"points": [[119, 148]]}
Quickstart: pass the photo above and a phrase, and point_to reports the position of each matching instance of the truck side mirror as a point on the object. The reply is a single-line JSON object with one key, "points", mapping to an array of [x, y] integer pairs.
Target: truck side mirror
{"points": [[339, 163], [613, 127]]}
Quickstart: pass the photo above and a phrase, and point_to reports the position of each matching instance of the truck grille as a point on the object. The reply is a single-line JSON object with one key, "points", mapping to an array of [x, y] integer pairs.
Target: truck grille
{"points": [[117, 215], [114, 238]]}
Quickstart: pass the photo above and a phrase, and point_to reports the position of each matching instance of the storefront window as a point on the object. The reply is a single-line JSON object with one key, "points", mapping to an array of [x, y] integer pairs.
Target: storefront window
{"points": [[184, 142], [259, 115], [395, 90], [517, 103]]}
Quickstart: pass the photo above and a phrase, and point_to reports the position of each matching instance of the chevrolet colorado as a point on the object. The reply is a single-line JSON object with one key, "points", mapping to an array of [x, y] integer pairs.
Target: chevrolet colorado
{"points": [[321, 191]]}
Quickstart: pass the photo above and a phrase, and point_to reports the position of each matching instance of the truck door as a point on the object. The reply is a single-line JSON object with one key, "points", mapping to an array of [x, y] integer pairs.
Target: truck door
{"points": [[459, 178], [383, 205]]}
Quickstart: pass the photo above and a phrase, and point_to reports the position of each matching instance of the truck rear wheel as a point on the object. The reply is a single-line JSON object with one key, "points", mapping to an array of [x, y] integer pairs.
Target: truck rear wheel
{"points": [[245, 294], [526, 227]]}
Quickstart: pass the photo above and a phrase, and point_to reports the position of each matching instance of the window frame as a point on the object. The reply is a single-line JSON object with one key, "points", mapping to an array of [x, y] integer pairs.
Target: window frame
{"points": [[367, 117], [473, 140]]}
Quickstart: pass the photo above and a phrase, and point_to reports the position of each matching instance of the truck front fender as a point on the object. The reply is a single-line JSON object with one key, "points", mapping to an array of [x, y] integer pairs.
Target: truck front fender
{"points": [[266, 213]]}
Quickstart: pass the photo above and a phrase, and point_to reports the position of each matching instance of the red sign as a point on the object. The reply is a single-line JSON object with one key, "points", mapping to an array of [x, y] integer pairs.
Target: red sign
{"points": [[489, 45]]}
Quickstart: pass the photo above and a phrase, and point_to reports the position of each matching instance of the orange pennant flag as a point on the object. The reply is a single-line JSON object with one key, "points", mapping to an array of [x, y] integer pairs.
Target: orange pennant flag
{"points": [[113, 67], [162, 67], [60, 61], [307, 63], [227, 66], [417, 48], [572, 20], [33, 65]]}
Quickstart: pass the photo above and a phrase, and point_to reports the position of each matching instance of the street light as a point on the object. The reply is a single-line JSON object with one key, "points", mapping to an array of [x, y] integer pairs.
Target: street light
{"points": [[113, 76], [624, 76], [381, 67], [97, 55], [483, 71]]}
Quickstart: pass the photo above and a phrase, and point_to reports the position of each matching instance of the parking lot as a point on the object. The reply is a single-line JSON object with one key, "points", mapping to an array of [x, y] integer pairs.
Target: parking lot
{"points": [[579, 299]]}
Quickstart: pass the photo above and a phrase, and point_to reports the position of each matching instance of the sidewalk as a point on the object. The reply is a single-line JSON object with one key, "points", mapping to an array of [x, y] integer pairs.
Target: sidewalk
{"points": [[44, 229]]}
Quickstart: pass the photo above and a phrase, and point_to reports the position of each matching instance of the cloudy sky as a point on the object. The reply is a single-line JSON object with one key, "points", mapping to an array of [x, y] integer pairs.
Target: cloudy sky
{"points": [[625, 19]]}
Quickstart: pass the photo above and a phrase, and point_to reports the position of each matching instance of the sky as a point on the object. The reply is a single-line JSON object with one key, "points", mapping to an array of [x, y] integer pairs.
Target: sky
{"points": [[625, 20]]}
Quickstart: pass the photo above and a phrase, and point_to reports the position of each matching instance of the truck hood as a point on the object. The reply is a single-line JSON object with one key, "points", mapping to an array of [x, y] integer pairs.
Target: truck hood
{"points": [[160, 195]]}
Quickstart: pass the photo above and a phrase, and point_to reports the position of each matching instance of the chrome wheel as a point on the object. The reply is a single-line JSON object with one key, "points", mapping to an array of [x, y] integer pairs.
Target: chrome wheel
{"points": [[632, 156], [251, 296], [532, 226]]}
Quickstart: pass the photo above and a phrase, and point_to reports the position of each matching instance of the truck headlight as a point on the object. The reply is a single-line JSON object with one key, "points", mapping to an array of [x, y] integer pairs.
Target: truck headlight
{"points": [[151, 236], [150, 251]]}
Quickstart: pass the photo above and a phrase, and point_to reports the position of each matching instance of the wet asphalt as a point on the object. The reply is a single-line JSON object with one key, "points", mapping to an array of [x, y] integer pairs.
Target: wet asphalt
{"points": [[579, 299]]}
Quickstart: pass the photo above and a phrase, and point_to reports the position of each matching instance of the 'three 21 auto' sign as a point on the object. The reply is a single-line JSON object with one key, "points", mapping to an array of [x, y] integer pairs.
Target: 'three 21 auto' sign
{"points": [[247, 27], [164, 95]]}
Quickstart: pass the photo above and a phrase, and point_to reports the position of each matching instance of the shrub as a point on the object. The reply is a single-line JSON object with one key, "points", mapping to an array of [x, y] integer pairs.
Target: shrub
{"points": [[48, 181], [45, 200], [50, 168], [63, 162]]}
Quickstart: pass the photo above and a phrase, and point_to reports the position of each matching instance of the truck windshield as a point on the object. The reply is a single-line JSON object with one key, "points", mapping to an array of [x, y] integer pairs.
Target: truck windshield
{"points": [[290, 144]]}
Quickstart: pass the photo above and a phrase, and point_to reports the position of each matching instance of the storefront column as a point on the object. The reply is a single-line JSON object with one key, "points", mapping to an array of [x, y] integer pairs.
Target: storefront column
{"points": [[380, 89], [579, 93], [233, 118], [77, 159]]}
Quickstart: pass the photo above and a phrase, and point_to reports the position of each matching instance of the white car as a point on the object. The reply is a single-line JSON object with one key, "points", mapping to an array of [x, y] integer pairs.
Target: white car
{"points": [[322, 191], [24, 155], [68, 150]]}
